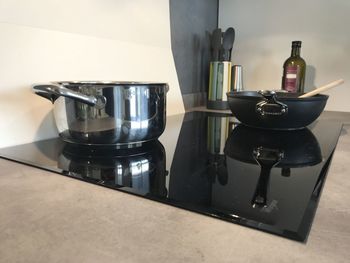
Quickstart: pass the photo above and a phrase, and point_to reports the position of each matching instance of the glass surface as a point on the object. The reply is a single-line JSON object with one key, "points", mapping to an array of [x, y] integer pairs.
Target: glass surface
{"points": [[210, 164]]}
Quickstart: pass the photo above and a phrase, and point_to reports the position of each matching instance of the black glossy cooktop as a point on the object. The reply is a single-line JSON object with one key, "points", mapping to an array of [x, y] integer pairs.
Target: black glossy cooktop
{"points": [[210, 164]]}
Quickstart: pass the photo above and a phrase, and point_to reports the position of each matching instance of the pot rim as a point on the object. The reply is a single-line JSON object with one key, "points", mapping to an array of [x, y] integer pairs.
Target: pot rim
{"points": [[109, 83]]}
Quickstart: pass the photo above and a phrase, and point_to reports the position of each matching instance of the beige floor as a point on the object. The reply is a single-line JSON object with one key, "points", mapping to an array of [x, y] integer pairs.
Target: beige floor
{"points": [[46, 217]]}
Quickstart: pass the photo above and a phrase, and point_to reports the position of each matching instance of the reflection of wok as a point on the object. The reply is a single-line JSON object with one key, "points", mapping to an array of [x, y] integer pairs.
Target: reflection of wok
{"points": [[296, 148], [285, 149], [142, 169]]}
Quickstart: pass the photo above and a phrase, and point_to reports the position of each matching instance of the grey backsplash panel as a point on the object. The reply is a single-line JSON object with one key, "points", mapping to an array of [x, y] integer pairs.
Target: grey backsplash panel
{"points": [[190, 21]]}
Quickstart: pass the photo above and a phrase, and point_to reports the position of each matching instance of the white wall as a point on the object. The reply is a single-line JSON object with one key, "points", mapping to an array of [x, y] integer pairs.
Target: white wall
{"points": [[265, 29], [48, 40]]}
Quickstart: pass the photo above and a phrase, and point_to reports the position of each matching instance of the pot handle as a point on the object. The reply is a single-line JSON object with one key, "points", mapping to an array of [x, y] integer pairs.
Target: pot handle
{"points": [[270, 105], [52, 91]]}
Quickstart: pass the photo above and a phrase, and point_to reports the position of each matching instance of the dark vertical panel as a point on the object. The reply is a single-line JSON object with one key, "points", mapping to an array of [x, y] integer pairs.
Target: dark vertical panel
{"points": [[190, 21]]}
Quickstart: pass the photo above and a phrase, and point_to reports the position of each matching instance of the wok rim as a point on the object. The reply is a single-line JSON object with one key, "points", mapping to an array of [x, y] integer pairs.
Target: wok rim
{"points": [[254, 95]]}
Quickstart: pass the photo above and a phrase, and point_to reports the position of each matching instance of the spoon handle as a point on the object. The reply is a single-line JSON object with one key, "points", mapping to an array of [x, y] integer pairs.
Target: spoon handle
{"points": [[323, 88]]}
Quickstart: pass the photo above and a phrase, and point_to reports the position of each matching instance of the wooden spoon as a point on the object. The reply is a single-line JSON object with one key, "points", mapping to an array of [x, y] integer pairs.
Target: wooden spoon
{"points": [[323, 88]]}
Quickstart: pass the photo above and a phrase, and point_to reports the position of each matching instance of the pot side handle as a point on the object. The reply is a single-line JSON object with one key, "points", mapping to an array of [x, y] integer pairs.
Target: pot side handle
{"points": [[53, 91]]}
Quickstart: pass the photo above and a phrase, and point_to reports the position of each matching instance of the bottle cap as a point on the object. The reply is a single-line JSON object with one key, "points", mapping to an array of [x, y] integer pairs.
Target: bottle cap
{"points": [[296, 43]]}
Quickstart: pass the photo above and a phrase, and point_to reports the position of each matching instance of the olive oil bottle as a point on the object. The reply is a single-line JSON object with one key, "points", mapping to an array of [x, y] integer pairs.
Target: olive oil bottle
{"points": [[294, 70]]}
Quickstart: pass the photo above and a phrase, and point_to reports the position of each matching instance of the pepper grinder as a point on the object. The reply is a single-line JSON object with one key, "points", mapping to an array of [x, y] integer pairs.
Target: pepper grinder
{"points": [[237, 78]]}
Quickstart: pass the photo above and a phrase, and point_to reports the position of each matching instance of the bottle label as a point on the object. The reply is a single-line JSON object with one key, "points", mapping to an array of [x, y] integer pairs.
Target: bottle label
{"points": [[291, 79]]}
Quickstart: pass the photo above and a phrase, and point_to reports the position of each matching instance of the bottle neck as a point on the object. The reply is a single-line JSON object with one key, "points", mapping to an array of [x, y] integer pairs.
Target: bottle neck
{"points": [[295, 52]]}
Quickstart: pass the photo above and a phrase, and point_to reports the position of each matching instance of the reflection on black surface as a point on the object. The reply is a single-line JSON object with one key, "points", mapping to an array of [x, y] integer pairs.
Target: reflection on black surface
{"points": [[267, 159], [218, 128], [299, 148], [246, 179], [268, 149], [269, 180], [141, 169]]}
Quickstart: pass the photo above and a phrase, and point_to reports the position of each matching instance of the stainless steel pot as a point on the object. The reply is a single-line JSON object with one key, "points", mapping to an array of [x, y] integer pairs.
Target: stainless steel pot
{"points": [[99, 113]]}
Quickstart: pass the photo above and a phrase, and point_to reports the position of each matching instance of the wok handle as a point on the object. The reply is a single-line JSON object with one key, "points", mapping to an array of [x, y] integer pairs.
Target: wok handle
{"points": [[52, 91], [270, 105]]}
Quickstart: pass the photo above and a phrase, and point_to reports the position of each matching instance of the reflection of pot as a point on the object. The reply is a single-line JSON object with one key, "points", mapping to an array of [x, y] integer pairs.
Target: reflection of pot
{"points": [[285, 149], [142, 169]]}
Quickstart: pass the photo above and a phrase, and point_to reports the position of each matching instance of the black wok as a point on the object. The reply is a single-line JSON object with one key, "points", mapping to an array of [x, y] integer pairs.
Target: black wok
{"points": [[275, 110]]}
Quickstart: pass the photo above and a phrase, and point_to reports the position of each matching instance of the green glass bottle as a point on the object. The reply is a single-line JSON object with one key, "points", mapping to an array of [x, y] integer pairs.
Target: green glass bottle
{"points": [[294, 70]]}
